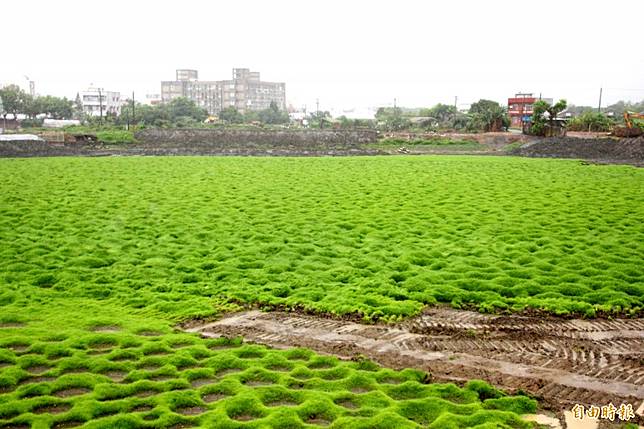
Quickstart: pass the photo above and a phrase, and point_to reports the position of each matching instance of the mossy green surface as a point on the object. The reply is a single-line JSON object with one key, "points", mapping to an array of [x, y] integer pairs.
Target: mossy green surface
{"points": [[82, 363], [432, 143], [99, 258], [115, 136], [375, 236]]}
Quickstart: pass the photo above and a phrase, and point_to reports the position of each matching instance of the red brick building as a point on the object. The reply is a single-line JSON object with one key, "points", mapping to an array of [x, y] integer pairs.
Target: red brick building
{"points": [[520, 108]]}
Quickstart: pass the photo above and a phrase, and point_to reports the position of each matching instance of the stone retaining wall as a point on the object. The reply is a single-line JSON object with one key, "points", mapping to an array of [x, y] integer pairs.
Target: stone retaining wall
{"points": [[274, 138], [211, 142]]}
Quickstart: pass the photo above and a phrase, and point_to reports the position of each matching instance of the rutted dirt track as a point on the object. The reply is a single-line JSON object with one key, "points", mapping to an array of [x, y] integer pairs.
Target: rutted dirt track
{"points": [[562, 362]]}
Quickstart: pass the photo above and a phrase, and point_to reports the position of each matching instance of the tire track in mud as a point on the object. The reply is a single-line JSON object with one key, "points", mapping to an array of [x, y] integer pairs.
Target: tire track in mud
{"points": [[560, 361]]}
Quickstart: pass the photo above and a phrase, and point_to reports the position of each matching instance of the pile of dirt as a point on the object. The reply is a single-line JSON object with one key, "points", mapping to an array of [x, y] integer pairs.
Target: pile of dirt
{"points": [[628, 151]]}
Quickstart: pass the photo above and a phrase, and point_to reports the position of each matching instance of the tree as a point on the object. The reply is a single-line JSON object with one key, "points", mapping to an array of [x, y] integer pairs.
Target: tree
{"points": [[442, 116], [157, 116], [180, 112], [319, 119], [65, 108], [13, 99], [345, 122], [32, 107], [53, 107], [442, 113], [184, 107], [231, 115], [488, 115], [273, 115], [544, 115], [392, 119], [56, 107], [621, 106], [78, 107], [590, 121]]}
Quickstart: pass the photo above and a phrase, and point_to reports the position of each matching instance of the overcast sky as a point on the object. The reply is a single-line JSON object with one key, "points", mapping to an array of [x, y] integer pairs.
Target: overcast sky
{"points": [[347, 54]]}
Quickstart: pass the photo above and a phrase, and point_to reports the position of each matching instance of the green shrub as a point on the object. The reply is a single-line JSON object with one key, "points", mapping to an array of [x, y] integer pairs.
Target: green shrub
{"points": [[590, 121], [437, 141], [115, 136], [31, 123]]}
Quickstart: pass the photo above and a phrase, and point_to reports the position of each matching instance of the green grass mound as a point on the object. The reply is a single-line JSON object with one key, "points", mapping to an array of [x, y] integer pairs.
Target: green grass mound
{"points": [[376, 237], [115, 136], [429, 143], [136, 373], [99, 258]]}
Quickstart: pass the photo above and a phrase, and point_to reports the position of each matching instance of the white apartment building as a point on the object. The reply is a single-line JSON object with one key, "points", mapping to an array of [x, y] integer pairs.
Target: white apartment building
{"points": [[97, 100], [245, 91]]}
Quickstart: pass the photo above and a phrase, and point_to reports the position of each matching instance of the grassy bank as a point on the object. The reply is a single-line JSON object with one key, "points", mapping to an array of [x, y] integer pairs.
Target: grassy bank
{"points": [[436, 144]]}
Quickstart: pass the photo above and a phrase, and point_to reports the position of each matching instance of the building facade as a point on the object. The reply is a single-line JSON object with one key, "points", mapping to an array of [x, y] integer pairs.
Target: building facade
{"points": [[97, 101], [245, 91], [520, 108], [152, 99]]}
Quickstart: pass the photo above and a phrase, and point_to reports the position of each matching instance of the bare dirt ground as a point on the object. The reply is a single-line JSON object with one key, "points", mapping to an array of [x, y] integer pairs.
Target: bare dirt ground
{"points": [[561, 362], [596, 150]]}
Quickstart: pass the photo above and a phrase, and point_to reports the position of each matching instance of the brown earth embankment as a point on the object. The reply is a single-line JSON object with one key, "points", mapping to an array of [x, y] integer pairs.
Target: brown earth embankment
{"points": [[168, 142], [603, 150]]}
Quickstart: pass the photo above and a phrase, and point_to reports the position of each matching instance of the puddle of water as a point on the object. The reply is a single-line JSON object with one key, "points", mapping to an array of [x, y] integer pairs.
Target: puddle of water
{"points": [[542, 419], [585, 423]]}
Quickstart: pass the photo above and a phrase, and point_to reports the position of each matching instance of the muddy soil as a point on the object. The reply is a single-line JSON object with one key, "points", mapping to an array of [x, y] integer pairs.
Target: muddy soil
{"points": [[560, 362], [601, 150]]}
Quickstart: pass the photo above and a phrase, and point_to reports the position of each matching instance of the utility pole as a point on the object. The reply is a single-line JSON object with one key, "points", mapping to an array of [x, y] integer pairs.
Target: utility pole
{"points": [[394, 103], [317, 113], [3, 116], [455, 106], [100, 105], [599, 108], [4, 121], [133, 109], [32, 86]]}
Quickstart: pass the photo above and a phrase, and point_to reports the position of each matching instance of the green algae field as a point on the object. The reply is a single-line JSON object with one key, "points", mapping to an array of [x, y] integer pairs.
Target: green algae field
{"points": [[101, 258]]}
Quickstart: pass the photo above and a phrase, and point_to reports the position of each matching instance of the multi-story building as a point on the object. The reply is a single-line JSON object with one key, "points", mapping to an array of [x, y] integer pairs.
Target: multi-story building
{"points": [[245, 91], [187, 74], [97, 101], [520, 108], [152, 99]]}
